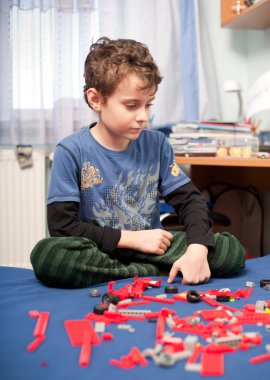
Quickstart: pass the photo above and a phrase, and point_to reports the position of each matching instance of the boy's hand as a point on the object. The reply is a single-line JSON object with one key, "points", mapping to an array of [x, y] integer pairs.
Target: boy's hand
{"points": [[193, 265], [147, 241]]}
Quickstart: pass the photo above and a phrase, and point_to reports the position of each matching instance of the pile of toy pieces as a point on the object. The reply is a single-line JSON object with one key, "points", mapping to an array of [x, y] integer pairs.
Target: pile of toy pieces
{"points": [[223, 331]]}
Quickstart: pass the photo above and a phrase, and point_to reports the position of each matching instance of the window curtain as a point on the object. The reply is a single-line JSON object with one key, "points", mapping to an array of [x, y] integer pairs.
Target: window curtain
{"points": [[176, 35], [44, 44]]}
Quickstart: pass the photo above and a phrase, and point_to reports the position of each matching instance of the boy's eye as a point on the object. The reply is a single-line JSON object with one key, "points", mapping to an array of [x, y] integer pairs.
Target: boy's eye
{"points": [[130, 106]]}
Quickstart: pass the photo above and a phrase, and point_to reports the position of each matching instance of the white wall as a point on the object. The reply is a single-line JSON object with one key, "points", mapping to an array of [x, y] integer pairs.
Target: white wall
{"points": [[237, 54]]}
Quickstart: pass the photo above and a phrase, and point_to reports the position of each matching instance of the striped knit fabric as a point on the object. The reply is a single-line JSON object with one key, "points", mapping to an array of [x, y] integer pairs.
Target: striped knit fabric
{"points": [[74, 262]]}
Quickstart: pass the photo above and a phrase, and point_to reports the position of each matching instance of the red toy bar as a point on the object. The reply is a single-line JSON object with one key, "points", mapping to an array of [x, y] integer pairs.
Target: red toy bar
{"points": [[85, 354], [36, 343], [260, 358], [42, 323]]}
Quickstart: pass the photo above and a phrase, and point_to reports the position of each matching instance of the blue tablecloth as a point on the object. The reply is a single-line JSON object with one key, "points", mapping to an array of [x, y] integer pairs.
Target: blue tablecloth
{"points": [[56, 359]]}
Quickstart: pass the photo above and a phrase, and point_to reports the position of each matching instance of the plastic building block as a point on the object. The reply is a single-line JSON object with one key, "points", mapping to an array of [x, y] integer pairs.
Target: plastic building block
{"points": [[193, 296], [171, 289], [86, 349], [160, 329], [107, 336], [129, 361], [250, 284], [42, 323], [180, 297], [210, 315], [156, 299], [76, 330], [134, 290], [260, 358], [135, 312], [195, 354], [212, 364], [124, 304], [212, 302], [219, 348], [36, 343]]}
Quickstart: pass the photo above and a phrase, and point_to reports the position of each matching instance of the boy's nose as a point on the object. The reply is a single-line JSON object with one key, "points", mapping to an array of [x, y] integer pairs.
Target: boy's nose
{"points": [[142, 115]]}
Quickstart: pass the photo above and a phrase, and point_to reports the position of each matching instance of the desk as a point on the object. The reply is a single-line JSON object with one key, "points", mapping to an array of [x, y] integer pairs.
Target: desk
{"points": [[238, 172], [235, 171]]}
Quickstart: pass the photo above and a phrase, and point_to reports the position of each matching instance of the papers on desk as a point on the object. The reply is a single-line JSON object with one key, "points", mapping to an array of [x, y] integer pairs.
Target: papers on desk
{"points": [[212, 138]]}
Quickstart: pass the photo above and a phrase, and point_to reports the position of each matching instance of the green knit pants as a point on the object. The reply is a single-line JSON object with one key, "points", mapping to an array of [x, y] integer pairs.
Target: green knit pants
{"points": [[75, 262]]}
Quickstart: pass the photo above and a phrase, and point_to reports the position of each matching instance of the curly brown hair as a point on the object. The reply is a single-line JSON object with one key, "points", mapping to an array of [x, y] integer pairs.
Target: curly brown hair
{"points": [[109, 61]]}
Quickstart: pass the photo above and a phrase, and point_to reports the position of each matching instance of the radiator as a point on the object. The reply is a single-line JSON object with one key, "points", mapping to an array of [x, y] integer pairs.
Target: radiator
{"points": [[23, 205]]}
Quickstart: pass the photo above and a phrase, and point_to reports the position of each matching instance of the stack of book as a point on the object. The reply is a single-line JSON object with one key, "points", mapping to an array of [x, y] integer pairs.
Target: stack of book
{"points": [[213, 139]]}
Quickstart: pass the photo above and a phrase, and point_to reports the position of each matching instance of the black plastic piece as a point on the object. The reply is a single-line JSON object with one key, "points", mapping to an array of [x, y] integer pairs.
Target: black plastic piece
{"points": [[193, 296], [264, 283], [108, 298], [223, 298], [99, 309], [171, 289]]}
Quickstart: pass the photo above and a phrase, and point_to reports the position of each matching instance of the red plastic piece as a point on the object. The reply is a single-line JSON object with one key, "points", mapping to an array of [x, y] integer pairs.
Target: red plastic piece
{"points": [[36, 343], [157, 299], [212, 364], [134, 290], [107, 336], [172, 344], [178, 297], [160, 329], [129, 361], [34, 313], [42, 323], [210, 315], [86, 349], [76, 330], [130, 304], [118, 317], [212, 302], [195, 354], [218, 348], [260, 358]]}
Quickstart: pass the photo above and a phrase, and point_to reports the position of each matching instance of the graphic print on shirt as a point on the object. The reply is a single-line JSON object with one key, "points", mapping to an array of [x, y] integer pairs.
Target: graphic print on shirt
{"points": [[175, 170], [90, 176], [130, 203]]}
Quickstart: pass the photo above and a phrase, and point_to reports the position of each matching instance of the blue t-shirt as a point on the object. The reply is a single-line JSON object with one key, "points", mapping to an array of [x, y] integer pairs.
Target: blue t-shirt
{"points": [[115, 189]]}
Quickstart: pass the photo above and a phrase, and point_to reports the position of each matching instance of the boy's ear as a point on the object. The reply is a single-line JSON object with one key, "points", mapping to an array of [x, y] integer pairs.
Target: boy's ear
{"points": [[94, 99]]}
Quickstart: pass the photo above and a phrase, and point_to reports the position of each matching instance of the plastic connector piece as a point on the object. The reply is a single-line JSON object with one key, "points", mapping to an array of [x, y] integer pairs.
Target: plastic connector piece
{"points": [[107, 336]]}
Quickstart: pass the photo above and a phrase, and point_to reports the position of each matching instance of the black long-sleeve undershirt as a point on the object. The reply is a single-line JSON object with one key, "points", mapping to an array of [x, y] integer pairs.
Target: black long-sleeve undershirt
{"points": [[188, 202]]}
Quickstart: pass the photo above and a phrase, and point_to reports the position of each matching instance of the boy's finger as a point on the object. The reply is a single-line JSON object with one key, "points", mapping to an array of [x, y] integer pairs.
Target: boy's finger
{"points": [[168, 235], [173, 273]]}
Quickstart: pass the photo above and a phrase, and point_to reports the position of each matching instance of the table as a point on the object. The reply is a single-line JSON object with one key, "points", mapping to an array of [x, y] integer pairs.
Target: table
{"points": [[56, 359], [235, 171]]}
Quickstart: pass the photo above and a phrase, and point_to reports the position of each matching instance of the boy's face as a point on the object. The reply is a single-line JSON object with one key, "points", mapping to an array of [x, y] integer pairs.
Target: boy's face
{"points": [[125, 113]]}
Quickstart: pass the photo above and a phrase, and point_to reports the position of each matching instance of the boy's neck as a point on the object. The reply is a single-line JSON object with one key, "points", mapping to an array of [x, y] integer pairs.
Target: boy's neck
{"points": [[107, 140]]}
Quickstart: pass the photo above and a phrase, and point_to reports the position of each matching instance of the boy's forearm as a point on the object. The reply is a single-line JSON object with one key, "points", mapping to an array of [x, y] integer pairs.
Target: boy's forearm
{"points": [[126, 240], [192, 209], [63, 220]]}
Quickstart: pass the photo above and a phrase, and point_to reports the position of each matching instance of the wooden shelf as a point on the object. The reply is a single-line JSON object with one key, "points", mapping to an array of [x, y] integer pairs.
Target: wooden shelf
{"points": [[256, 16], [236, 171]]}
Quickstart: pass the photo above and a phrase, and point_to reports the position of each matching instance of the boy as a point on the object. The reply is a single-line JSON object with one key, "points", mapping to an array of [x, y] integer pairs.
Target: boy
{"points": [[106, 178]]}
